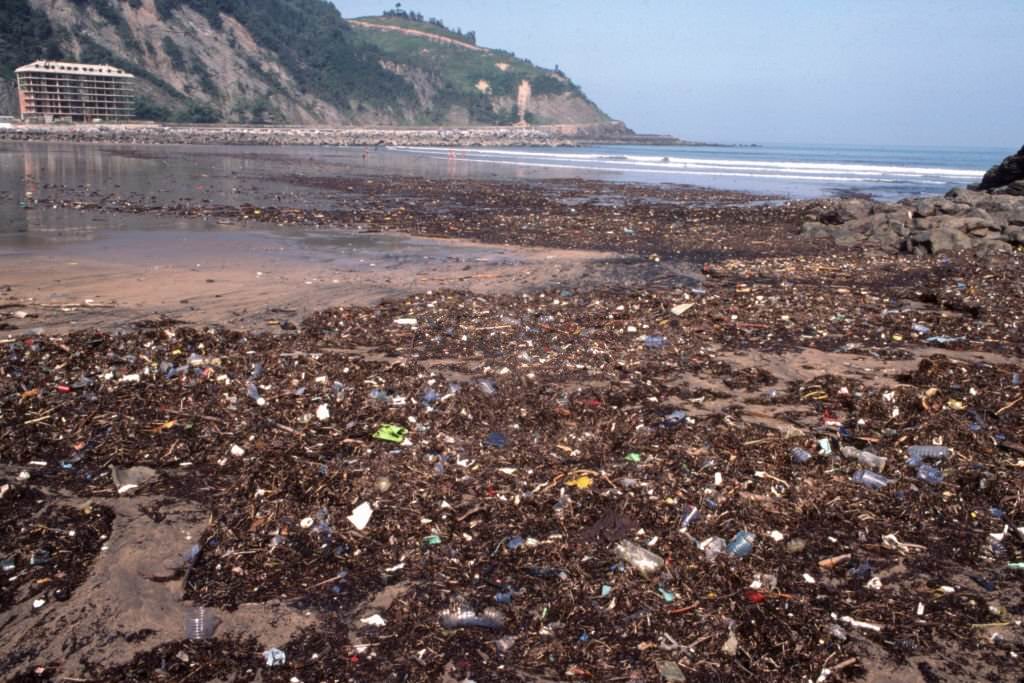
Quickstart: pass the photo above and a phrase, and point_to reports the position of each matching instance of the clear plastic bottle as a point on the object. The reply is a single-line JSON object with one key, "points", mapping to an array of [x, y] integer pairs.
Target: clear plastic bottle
{"points": [[691, 515], [873, 480], [461, 615], [928, 452], [865, 458], [712, 547], [742, 544], [639, 558], [199, 623]]}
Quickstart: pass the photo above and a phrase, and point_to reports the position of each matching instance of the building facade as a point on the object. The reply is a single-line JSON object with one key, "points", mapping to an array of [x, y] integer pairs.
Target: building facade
{"points": [[62, 91]]}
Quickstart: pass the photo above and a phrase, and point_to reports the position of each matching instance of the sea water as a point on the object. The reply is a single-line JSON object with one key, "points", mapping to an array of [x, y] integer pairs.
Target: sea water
{"points": [[795, 171]]}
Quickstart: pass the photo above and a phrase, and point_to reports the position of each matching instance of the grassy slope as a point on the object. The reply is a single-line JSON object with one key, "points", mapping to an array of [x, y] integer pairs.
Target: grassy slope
{"points": [[423, 26], [459, 69]]}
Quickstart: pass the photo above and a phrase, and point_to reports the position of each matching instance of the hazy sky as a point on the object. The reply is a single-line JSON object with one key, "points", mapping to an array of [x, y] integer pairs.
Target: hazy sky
{"points": [[914, 72]]}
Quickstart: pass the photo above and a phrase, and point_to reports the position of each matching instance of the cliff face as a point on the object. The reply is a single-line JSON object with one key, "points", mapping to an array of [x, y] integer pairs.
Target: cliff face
{"points": [[287, 61]]}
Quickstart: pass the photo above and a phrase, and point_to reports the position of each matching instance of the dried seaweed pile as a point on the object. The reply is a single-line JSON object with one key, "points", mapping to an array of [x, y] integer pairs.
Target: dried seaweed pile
{"points": [[565, 484]]}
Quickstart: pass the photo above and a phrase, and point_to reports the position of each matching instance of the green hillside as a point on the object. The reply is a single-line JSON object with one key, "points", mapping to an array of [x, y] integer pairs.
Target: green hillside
{"points": [[289, 61]]}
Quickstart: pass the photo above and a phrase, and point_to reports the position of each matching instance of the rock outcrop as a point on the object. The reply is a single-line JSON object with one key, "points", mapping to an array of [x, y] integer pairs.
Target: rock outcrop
{"points": [[1009, 173], [986, 219], [985, 223]]}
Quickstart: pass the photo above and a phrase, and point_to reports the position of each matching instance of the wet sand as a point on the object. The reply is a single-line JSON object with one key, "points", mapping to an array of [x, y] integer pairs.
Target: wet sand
{"points": [[249, 279], [69, 269]]}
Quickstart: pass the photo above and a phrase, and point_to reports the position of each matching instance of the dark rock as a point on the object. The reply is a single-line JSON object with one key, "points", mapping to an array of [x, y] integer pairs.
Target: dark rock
{"points": [[990, 248], [814, 230], [963, 195], [925, 208], [851, 209], [995, 203], [1015, 234], [943, 238], [1011, 169]]}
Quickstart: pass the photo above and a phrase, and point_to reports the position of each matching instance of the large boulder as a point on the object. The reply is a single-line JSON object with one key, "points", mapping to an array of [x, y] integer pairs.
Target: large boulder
{"points": [[1016, 188], [942, 238], [1010, 170]]}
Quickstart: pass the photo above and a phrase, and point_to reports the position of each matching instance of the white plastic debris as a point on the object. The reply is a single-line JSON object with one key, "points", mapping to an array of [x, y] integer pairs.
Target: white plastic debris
{"points": [[323, 413], [237, 450], [274, 657], [409, 322], [681, 308], [373, 620], [306, 522], [866, 625], [360, 516]]}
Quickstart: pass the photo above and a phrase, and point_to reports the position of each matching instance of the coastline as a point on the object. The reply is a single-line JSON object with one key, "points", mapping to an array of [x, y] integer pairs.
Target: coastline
{"points": [[696, 338]]}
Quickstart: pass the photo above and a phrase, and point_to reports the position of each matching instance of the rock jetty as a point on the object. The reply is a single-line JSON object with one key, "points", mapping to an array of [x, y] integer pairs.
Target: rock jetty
{"points": [[985, 219], [490, 136]]}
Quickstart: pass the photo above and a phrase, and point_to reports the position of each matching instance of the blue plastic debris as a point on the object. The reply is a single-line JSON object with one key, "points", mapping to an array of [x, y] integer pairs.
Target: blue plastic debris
{"points": [[654, 341], [496, 440], [741, 545]]}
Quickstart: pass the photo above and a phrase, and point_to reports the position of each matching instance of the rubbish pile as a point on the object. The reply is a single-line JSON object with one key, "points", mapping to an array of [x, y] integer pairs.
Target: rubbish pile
{"points": [[555, 485]]}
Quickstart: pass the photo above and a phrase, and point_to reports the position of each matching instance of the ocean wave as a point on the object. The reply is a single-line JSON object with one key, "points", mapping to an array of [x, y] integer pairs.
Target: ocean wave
{"points": [[682, 165]]}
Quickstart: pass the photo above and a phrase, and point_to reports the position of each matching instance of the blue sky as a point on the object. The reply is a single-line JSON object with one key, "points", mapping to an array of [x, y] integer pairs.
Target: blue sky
{"points": [[897, 72]]}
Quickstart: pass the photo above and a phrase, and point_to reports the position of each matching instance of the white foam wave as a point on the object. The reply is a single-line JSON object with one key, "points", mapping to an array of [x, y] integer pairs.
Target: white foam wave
{"points": [[794, 170]]}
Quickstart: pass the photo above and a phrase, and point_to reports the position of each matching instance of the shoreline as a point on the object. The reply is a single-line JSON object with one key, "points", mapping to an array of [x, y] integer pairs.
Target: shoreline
{"points": [[551, 424]]}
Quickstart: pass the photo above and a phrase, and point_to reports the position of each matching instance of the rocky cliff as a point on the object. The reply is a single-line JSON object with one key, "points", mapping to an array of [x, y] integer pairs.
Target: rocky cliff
{"points": [[8, 98], [1009, 172], [289, 61]]}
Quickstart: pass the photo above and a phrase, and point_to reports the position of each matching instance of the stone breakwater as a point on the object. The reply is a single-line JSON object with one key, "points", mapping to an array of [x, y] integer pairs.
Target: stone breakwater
{"points": [[490, 136], [987, 219]]}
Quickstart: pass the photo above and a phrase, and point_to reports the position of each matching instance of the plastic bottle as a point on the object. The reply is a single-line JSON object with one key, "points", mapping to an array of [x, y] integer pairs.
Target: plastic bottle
{"points": [[929, 474], [691, 515], [712, 547], [800, 456], [865, 458], [654, 341], [872, 480], [460, 615], [199, 624], [928, 452], [741, 545], [641, 559]]}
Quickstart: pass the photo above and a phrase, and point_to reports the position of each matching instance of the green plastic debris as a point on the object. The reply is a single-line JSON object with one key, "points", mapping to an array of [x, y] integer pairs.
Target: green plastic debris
{"points": [[1019, 566], [392, 433], [667, 596], [432, 539], [606, 590], [633, 457]]}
